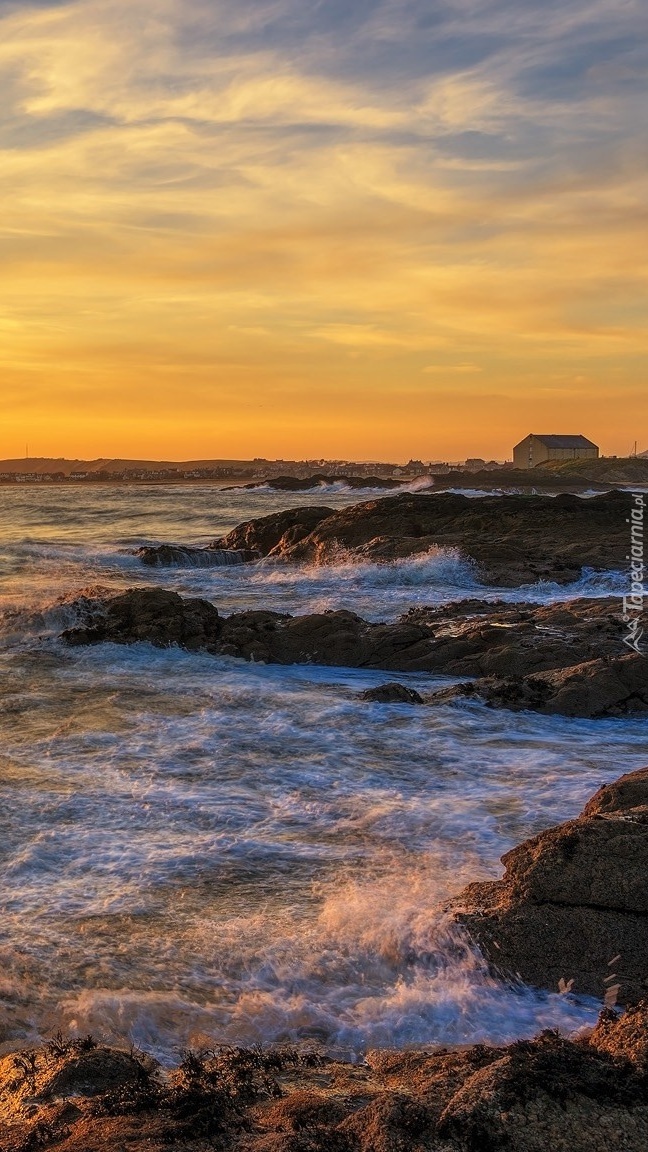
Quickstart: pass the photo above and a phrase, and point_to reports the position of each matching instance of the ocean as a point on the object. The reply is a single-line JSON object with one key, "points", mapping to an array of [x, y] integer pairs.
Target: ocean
{"points": [[196, 850]]}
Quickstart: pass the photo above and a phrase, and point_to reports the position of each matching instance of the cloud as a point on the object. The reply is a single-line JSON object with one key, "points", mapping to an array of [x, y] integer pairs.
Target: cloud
{"points": [[313, 190]]}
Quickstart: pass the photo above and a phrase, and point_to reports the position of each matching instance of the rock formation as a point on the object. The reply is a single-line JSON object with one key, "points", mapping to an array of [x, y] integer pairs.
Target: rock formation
{"points": [[589, 1095], [572, 907], [513, 539], [150, 615], [249, 541], [613, 686], [391, 694], [318, 480], [562, 658], [178, 556]]}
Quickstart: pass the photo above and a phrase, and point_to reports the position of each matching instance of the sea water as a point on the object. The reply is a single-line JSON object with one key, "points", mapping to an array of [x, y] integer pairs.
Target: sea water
{"points": [[196, 850]]}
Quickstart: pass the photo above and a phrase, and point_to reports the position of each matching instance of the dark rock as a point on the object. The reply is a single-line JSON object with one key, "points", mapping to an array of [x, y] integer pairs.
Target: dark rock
{"points": [[546, 1094], [393, 1123], [89, 1074], [629, 791], [573, 902], [544, 652], [392, 694], [510, 641], [274, 533], [514, 539], [175, 556], [318, 480], [149, 614], [593, 689], [624, 1037]]}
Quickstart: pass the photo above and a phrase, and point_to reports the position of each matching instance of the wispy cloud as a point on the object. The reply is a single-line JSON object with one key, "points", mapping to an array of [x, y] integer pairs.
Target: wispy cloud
{"points": [[292, 193]]}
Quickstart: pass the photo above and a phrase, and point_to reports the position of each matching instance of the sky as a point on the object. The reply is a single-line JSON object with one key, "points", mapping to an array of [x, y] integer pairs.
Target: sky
{"points": [[358, 229]]}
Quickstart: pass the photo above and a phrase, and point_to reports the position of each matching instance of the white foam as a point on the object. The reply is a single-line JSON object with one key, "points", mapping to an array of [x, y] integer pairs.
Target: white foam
{"points": [[209, 849]]}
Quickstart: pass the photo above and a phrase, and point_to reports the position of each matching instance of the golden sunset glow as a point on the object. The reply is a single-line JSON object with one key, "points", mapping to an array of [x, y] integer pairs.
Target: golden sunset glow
{"points": [[239, 229]]}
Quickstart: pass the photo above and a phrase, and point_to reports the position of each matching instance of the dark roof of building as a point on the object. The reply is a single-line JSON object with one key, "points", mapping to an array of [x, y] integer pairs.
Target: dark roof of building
{"points": [[565, 441]]}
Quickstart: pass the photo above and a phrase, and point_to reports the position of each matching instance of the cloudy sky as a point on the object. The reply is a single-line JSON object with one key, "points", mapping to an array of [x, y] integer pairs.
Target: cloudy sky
{"points": [[355, 228]]}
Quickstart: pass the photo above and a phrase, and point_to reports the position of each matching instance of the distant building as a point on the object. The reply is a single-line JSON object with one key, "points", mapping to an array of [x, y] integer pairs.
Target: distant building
{"points": [[534, 450]]}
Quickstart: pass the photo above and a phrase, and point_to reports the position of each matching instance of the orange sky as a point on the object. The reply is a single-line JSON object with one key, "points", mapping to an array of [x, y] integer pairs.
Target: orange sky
{"points": [[252, 229]]}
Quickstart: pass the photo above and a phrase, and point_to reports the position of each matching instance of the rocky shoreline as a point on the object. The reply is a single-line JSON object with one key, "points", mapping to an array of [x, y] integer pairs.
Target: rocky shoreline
{"points": [[572, 907], [512, 540], [564, 658], [584, 1095], [571, 912]]}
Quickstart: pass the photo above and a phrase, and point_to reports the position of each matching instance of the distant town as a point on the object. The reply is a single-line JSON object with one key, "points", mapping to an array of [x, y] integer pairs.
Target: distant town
{"points": [[533, 452], [39, 472]]}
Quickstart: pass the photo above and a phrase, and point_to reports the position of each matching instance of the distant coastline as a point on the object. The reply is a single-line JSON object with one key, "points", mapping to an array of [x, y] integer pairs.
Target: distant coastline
{"points": [[297, 475]]}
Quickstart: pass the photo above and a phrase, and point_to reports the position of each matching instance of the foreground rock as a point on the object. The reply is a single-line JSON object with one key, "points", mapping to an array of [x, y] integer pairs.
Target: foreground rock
{"points": [[572, 908], [548, 1093], [614, 686], [514, 539]]}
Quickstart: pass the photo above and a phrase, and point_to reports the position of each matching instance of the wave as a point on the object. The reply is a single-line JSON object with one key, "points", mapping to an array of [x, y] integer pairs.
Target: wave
{"points": [[330, 488], [41, 620], [376, 591], [35, 554], [591, 584], [374, 967], [265, 890], [293, 997]]}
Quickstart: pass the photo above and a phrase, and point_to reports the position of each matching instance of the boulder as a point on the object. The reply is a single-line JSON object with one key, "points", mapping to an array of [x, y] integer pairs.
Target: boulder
{"points": [[275, 533], [614, 686], [391, 694], [572, 907], [152, 615]]}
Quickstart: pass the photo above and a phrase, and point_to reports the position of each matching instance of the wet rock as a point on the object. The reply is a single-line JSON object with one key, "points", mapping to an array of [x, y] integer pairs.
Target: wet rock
{"points": [[625, 1036], [573, 903], [91, 1073], [318, 480], [513, 642], [393, 1123], [629, 791], [514, 539], [593, 689], [305, 1109], [549, 1094], [149, 614], [269, 535], [537, 658], [176, 556], [392, 694], [552, 1093]]}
